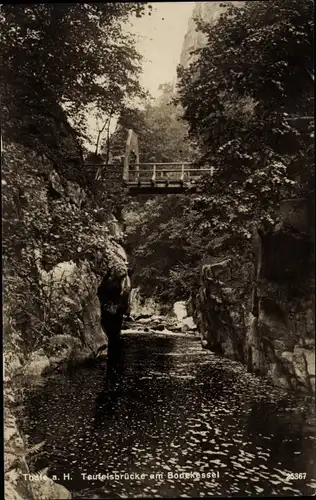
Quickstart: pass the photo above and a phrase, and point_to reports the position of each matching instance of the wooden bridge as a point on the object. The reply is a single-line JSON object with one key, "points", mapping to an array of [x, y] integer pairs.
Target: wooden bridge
{"points": [[162, 178], [150, 178]]}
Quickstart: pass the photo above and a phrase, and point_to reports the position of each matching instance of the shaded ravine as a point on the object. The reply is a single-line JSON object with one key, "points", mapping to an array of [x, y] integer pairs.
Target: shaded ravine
{"points": [[164, 405]]}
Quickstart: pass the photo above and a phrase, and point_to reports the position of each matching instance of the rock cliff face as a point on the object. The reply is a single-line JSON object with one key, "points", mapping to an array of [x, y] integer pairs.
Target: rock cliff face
{"points": [[84, 299], [260, 310], [86, 285], [91, 296], [207, 12]]}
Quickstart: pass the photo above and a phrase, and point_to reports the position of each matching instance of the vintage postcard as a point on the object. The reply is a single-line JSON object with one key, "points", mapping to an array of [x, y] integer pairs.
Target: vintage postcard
{"points": [[158, 249]]}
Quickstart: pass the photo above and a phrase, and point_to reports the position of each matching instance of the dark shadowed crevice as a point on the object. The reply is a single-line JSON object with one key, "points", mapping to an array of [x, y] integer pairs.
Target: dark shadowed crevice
{"points": [[114, 305]]}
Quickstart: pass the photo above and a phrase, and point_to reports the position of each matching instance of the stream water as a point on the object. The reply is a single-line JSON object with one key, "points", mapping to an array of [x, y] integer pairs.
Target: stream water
{"points": [[192, 423]]}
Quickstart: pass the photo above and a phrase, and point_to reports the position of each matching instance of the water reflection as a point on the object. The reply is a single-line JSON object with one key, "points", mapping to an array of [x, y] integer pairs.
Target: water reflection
{"points": [[162, 405], [107, 401]]}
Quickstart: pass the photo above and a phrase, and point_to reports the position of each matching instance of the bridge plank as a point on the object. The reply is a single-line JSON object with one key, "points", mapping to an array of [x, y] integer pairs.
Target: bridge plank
{"points": [[154, 178]]}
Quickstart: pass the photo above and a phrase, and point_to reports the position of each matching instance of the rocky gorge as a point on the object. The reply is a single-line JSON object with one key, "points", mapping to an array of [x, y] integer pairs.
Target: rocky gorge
{"points": [[250, 329], [81, 301], [163, 345], [260, 310]]}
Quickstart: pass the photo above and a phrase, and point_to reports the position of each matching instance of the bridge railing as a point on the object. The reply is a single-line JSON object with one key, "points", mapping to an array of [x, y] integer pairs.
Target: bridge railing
{"points": [[164, 172], [148, 173]]}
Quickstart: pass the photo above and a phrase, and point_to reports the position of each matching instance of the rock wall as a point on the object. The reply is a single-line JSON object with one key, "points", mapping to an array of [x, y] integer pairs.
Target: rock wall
{"points": [[207, 12], [87, 297], [260, 309], [88, 291]]}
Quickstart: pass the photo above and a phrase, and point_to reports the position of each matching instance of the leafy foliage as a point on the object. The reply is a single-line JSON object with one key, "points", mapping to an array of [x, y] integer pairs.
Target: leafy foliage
{"points": [[159, 247], [64, 55], [162, 133], [253, 75], [247, 98], [42, 227], [57, 60]]}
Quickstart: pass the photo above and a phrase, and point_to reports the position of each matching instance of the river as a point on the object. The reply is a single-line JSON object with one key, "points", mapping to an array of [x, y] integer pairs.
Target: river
{"points": [[163, 407]]}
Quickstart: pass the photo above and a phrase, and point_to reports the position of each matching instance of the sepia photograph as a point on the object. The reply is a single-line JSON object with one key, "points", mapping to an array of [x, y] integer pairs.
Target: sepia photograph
{"points": [[158, 249]]}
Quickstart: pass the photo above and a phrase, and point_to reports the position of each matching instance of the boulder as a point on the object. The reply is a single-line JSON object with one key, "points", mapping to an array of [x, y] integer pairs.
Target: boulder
{"points": [[11, 493], [73, 288], [16, 487], [142, 307], [185, 328], [189, 322], [304, 364], [48, 489], [180, 310], [36, 365], [144, 321], [183, 322]]}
